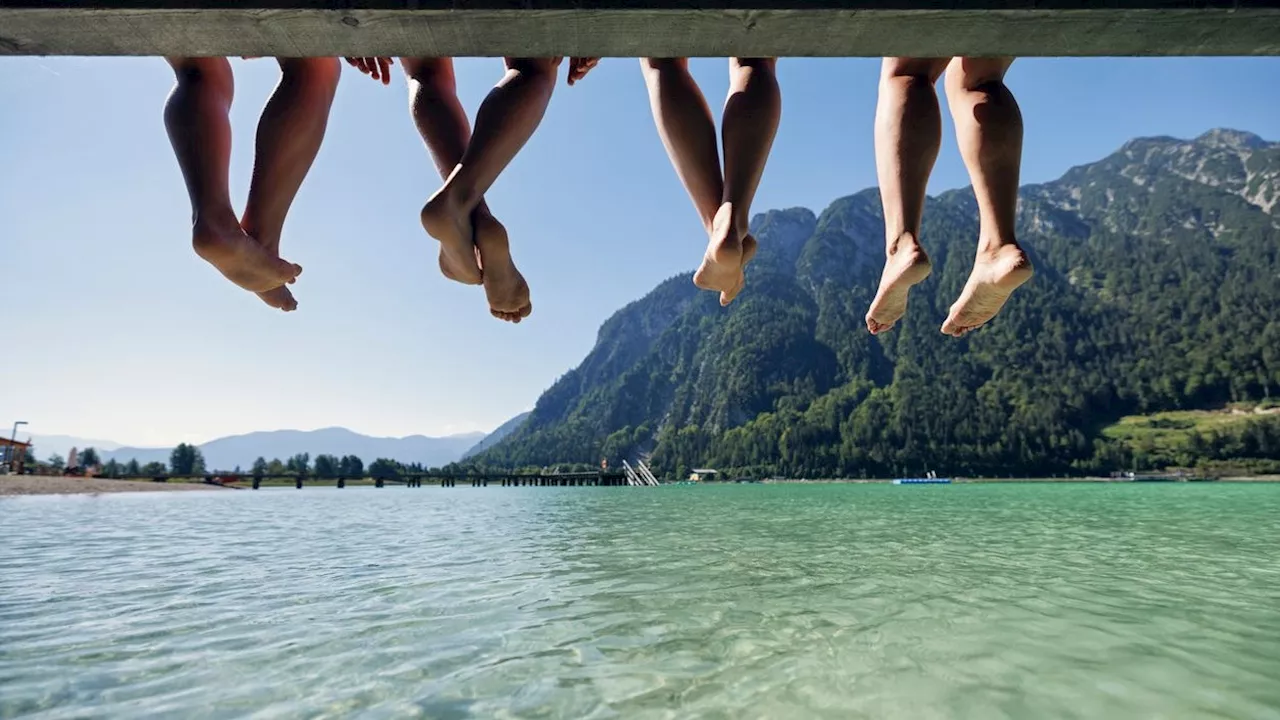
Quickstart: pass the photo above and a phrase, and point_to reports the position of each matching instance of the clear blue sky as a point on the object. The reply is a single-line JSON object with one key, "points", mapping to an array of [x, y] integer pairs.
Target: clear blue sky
{"points": [[123, 334]]}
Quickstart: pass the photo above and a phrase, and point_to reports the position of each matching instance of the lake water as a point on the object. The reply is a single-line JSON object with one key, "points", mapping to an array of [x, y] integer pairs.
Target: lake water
{"points": [[962, 601]]}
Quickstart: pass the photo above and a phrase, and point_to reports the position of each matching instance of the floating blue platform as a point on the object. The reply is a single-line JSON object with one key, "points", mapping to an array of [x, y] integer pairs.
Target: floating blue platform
{"points": [[922, 481]]}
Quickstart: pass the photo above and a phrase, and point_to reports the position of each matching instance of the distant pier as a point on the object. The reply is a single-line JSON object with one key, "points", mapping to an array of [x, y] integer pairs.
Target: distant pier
{"points": [[617, 478]]}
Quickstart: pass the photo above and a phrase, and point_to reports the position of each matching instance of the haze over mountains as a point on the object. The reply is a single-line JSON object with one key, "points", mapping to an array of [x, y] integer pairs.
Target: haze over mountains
{"points": [[241, 450], [1157, 288]]}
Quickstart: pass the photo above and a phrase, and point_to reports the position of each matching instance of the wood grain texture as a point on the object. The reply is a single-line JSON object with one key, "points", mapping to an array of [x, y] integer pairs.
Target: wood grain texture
{"points": [[629, 28]]}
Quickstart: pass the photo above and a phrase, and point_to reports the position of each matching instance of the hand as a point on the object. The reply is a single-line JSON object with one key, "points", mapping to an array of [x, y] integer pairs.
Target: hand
{"points": [[378, 68], [579, 67]]}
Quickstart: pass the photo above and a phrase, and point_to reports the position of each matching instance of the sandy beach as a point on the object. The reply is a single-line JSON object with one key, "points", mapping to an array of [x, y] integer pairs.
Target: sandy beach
{"points": [[50, 485]]}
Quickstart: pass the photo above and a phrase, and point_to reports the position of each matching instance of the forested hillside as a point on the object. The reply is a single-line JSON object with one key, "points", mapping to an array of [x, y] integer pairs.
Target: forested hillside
{"points": [[1157, 289]]}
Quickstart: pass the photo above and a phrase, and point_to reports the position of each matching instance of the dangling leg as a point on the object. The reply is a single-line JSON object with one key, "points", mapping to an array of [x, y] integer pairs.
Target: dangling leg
{"points": [[196, 118], [751, 116], [289, 136], [989, 132], [506, 120], [908, 135]]}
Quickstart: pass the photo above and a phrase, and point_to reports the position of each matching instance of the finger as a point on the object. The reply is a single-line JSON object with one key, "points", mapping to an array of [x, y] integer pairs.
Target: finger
{"points": [[385, 64], [585, 65]]}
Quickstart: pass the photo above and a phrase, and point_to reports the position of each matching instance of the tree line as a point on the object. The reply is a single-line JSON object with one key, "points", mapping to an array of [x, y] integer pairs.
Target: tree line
{"points": [[187, 461]]}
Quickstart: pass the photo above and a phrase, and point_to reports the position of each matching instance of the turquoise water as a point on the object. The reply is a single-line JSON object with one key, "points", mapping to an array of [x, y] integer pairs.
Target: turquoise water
{"points": [[964, 601]]}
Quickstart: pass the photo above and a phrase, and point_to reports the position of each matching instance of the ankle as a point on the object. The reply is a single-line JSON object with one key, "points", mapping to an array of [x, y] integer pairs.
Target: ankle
{"points": [[214, 217], [995, 246], [458, 199], [903, 242]]}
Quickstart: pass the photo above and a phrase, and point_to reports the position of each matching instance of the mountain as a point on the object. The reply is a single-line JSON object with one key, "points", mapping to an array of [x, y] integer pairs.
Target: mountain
{"points": [[496, 436], [1156, 289], [46, 445], [226, 453]]}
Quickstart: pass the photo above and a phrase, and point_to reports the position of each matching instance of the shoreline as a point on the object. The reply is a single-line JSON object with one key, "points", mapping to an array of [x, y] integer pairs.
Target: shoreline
{"points": [[20, 485], [33, 485], [994, 481]]}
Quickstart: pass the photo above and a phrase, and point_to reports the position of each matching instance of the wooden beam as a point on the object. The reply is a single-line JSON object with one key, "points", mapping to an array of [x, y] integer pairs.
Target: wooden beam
{"points": [[628, 28]]}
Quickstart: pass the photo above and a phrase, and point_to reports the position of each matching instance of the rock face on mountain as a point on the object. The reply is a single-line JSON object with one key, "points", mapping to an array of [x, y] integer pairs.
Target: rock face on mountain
{"points": [[1157, 288]]}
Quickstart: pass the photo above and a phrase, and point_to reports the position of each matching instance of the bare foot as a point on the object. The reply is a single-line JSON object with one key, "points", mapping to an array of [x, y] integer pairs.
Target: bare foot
{"points": [[906, 266], [241, 259], [995, 276], [749, 245], [723, 265], [280, 298], [445, 222], [447, 270], [504, 286]]}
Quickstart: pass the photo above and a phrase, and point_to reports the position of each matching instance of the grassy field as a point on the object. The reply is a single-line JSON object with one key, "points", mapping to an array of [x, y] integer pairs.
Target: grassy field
{"points": [[1195, 438], [1170, 430]]}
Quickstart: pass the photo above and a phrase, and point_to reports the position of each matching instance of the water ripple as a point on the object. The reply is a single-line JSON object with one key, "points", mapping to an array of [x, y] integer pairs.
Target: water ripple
{"points": [[741, 602]]}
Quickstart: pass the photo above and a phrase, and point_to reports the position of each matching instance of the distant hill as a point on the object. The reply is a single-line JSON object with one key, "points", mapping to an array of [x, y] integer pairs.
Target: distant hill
{"points": [[1156, 290], [226, 453], [46, 445], [496, 436]]}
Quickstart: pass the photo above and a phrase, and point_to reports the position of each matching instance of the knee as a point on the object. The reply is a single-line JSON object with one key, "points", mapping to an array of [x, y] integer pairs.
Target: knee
{"points": [[656, 67], [912, 72], [768, 65], [535, 67], [536, 71], [317, 74], [430, 72], [970, 74], [214, 71], [664, 64]]}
